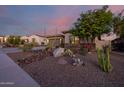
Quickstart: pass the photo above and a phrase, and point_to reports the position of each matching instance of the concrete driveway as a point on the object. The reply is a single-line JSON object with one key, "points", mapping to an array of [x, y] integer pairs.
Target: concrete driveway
{"points": [[11, 75]]}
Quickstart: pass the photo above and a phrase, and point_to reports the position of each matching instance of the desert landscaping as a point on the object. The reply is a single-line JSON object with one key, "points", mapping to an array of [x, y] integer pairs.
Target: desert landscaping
{"points": [[89, 54], [59, 72]]}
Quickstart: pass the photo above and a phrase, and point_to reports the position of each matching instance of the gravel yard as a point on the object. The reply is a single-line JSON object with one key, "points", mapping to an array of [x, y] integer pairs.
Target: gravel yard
{"points": [[50, 73]]}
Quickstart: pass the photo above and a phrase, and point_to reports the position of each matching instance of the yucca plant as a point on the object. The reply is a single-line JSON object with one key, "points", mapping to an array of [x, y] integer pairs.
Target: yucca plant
{"points": [[104, 58]]}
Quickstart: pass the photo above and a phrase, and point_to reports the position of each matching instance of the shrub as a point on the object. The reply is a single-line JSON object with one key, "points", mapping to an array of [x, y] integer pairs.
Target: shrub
{"points": [[27, 47], [14, 40]]}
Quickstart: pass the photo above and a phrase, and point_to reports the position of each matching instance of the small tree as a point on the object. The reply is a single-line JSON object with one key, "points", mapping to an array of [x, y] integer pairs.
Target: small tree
{"points": [[14, 40], [93, 23], [17, 40], [118, 23]]}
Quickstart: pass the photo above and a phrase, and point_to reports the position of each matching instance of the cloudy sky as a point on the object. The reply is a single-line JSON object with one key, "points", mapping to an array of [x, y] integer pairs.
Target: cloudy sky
{"points": [[21, 20]]}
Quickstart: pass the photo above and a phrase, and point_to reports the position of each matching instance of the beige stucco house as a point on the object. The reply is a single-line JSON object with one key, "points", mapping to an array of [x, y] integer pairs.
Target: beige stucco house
{"points": [[55, 40], [40, 40], [3, 39]]}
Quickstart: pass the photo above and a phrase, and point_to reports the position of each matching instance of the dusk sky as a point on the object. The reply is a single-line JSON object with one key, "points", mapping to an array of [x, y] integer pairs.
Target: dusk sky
{"points": [[23, 20]]}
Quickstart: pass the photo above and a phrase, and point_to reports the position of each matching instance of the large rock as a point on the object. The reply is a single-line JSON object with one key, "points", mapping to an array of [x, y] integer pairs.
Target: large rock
{"points": [[58, 52]]}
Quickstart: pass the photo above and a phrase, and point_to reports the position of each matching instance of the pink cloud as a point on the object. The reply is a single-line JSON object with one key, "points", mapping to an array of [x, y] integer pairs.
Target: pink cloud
{"points": [[62, 21], [116, 8]]}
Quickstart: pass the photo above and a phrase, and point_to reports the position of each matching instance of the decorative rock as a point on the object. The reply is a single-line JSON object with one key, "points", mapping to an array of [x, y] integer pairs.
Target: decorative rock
{"points": [[58, 52]]}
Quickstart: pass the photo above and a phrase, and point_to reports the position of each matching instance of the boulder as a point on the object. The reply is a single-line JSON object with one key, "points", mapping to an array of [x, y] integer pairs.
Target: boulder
{"points": [[58, 52]]}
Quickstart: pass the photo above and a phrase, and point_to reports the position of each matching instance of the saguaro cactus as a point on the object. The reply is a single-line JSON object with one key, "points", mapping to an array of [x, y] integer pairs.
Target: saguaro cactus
{"points": [[104, 58]]}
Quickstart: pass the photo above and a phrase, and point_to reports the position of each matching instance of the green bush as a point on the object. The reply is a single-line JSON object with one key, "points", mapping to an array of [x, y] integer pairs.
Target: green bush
{"points": [[14, 40], [104, 59], [27, 47]]}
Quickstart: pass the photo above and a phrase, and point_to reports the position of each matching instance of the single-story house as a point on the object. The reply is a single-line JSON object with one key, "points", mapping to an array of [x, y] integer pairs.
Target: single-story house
{"points": [[55, 40], [40, 40], [3, 39]]}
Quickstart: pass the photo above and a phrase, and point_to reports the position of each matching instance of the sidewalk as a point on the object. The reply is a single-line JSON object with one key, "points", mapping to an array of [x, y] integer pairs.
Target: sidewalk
{"points": [[11, 75]]}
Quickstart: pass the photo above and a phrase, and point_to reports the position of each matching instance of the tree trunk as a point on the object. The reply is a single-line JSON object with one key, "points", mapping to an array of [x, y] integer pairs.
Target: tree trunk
{"points": [[99, 37]]}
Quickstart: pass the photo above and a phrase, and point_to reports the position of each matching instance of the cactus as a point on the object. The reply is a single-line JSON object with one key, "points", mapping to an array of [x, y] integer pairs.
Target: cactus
{"points": [[104, 59]]}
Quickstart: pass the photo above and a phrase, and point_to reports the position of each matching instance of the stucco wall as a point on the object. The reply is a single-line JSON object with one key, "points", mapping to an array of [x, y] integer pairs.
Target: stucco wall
{"points": [[38, 39], [67, 38]]}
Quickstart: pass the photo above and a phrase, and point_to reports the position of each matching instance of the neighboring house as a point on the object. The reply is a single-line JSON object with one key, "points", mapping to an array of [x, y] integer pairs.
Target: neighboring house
{"points": [[70, 39], [25, 38], [1, 39], [40, 40], [56, 40]]}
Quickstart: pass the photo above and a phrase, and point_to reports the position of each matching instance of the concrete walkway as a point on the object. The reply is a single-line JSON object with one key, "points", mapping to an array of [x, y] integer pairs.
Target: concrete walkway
{"points": [[11, 75]]}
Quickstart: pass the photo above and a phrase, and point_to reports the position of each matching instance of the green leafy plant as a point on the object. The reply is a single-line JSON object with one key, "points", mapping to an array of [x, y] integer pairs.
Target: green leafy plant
{"points": [[104, 59], [93, 23], [26, 47], [14, 40]]}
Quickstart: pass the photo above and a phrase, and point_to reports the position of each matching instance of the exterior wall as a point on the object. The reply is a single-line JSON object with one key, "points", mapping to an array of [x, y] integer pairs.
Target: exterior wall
{"points": [[1, 39], [55, 41], [67, 38], [38, 39], [5, 38], [70, 39], [25, 38]]}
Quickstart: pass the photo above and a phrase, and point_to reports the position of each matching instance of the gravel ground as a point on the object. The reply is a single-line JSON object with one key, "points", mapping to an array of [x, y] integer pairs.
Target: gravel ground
{"points": [[48, 73]]}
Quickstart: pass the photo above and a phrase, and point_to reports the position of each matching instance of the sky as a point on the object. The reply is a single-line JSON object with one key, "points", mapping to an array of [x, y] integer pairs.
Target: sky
{"points": [[43, 19]]}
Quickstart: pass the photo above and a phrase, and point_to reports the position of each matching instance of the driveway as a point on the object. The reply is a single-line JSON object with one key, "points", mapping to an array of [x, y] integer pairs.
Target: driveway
{"points": [[11, 75]]}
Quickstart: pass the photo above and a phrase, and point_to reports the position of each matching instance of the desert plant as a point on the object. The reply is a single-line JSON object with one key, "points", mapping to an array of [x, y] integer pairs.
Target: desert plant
{"points": [[104, 59]]}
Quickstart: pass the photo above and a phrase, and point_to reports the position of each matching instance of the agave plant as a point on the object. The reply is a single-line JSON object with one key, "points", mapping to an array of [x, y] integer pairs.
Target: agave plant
{"points": [[104, 58]]}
